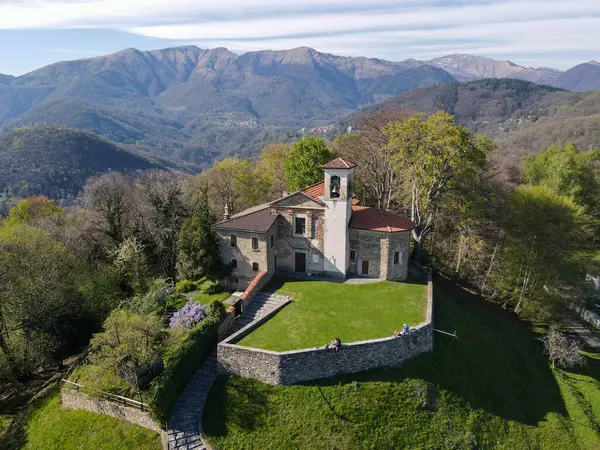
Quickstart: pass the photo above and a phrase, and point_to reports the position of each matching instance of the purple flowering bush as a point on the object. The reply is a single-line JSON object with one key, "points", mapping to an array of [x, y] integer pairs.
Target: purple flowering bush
{"points": [[189, 316]]}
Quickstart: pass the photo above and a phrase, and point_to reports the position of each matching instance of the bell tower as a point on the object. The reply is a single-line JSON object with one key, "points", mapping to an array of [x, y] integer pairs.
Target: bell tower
{"points": [[338, 211]]}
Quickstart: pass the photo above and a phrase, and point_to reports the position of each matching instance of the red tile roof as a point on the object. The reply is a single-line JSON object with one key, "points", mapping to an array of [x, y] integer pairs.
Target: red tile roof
{"points": [[317, 192], [374, 219], [339, 163]]}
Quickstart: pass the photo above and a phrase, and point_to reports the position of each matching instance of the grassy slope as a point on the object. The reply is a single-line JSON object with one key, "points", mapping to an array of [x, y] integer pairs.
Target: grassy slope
{"points": [[52, 427], [490, 388], [353, 312]]}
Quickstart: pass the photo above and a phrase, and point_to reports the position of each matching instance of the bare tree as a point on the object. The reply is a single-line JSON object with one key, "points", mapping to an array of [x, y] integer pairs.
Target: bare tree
{"points": [[109, 200], [371, 151], [562, 350]]}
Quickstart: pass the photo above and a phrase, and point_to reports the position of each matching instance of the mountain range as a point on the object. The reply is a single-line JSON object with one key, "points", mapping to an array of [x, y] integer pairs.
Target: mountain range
{"points": [[193, 106], [196, 105]]}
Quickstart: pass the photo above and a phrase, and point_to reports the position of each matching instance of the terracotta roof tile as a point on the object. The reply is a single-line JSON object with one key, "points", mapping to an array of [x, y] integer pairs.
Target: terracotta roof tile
{"points": [[339, 163], [317, 192], [258, 221], [374, 219]]}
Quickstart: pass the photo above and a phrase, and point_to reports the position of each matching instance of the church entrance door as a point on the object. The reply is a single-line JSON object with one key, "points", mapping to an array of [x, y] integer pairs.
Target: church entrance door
{"points": [[300, 262]]}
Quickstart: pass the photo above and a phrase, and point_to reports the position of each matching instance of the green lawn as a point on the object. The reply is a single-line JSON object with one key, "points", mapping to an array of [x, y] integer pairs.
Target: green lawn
{"points": [[323, 310], [53, 427], [491, 388]]}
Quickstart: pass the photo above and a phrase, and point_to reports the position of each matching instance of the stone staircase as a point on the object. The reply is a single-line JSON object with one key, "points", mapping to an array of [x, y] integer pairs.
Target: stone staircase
{"points": [[183, 430], [264, 303]]}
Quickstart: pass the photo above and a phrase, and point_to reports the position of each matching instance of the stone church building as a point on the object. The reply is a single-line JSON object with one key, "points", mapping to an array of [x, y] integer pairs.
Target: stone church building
{"points": [[320, 230]]}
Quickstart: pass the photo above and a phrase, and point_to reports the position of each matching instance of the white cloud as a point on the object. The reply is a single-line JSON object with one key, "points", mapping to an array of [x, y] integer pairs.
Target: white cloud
{"points": [[392, 29]]}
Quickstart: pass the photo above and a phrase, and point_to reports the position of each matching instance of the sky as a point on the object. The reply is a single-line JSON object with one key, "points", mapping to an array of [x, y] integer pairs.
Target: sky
{"points": [[551, 33]]}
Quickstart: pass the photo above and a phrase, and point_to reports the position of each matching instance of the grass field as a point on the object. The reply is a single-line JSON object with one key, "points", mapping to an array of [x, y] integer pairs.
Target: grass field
{"points": [[491, 388], [51, 427], [324, 310]]}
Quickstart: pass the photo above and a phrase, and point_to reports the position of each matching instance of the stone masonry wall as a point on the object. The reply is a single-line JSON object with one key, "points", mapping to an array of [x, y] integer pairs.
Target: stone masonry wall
{"points": [[284, 368], [398, 242], [78, 400], [587, 315], [245, 254], [312, 241]]}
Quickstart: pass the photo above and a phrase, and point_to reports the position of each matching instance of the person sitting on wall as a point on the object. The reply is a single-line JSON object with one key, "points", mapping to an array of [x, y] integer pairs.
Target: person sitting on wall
{"points": [[336, 344], [404, 331]]}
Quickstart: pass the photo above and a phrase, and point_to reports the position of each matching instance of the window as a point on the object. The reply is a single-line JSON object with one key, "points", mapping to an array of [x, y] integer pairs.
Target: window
{"points": [[396, 257], [234, 263], [255, 267], [272, 241], [300, 225], [234, 241], [352, 255], [334, 187], [254, 243]]}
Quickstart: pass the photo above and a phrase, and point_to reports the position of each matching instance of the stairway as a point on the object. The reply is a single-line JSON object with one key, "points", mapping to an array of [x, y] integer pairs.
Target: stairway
{"points": [[183, 430], [264, 303]]}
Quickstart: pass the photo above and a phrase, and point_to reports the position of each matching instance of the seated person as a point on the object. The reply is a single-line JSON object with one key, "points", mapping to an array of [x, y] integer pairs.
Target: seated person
{"points": [[397, 333], [405, 329], [336, 344]]}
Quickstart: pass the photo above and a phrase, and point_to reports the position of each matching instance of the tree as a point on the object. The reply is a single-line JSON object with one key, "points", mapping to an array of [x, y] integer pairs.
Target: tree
{"points": [[434, 158], [41, 310], [199, 254], [302, 166], [33, 209], [160, 212], [568, 172], [235, 184], [129, 344], [369, 148], [110, 202], [130, 259], [562, 350], [545, 234], [271, 164]]}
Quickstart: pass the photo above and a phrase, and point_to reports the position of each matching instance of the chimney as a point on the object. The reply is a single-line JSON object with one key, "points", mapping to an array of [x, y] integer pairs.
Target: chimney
{"points": [[226, 212]]}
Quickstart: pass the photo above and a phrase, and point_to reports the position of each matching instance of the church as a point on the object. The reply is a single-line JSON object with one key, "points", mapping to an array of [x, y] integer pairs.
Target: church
{"points": [[320, 230]]}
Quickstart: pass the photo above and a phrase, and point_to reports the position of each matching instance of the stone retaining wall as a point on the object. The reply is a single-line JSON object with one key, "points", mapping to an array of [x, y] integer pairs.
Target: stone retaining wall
{"points": [[587, 315], [284, 368], [74, 399]]}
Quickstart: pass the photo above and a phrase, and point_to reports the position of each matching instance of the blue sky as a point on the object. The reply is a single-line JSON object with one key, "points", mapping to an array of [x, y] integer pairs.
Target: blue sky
{"points": [[553, 33]]}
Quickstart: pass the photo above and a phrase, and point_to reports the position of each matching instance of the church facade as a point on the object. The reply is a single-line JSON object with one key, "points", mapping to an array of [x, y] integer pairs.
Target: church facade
{"points": [[320, 230]]}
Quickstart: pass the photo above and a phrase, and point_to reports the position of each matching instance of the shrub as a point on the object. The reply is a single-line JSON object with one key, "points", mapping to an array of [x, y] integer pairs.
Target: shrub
{"points": [[209, 287], [189, 316], [184, 286], [181, 362]]}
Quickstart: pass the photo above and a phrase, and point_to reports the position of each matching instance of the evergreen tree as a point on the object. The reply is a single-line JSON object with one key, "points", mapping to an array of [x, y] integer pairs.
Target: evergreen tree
{"points": [[198, 246]]}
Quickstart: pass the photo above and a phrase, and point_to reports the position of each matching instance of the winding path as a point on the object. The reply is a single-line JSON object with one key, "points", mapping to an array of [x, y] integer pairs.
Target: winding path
{"points": [[184, 429]]}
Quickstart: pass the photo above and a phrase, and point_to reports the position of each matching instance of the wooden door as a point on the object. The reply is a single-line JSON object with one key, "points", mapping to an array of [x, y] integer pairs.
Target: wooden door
{"points": [[300, 262], [365, 268]]}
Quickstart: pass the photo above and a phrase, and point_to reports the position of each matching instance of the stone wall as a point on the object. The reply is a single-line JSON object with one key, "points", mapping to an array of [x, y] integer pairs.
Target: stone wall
{"points": [[587, 315], [245, 255], [378, 248], [284, 368], [257, 283], [398, 242], [74, 399], [312, 242]]}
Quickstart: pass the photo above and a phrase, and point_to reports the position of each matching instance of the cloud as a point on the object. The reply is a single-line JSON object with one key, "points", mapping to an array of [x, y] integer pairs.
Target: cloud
{"points": [[392, 29]]}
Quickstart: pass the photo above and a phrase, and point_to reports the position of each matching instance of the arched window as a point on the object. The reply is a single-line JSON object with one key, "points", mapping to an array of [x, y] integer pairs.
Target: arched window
{"points": [[334, 187]]}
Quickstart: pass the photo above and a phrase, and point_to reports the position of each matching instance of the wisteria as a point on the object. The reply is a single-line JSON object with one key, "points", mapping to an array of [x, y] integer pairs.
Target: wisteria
{"points": [[190, 315]]}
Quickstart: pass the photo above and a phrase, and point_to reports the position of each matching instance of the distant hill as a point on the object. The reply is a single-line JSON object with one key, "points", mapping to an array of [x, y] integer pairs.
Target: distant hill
{"points": [[56, 161], [195, 105], [5, 79], [469, 67], [583, 77], [520, 115]]}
